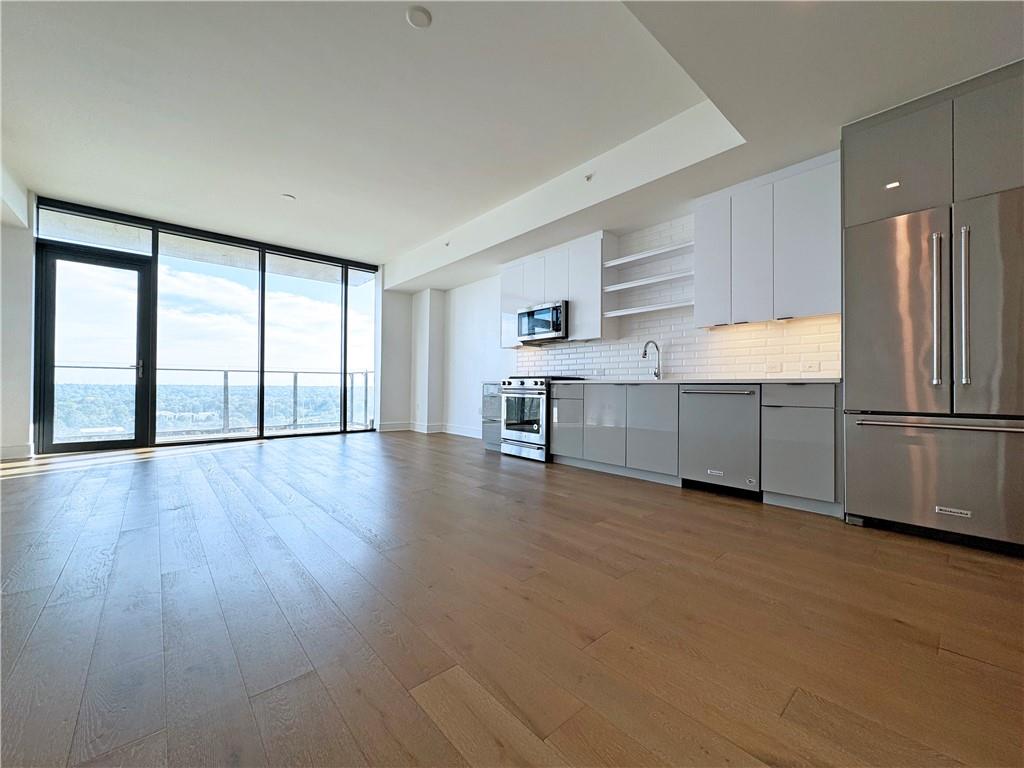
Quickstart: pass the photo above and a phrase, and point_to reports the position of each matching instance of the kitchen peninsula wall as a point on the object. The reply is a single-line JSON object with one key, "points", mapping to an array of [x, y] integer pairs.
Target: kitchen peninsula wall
{"points": [[802, 348]]}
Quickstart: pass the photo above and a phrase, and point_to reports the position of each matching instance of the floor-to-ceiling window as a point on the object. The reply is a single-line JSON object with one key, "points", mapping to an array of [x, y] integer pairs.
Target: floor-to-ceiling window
{"points": [[221, 338], [359, 351], [302, 383], [208, 340]]}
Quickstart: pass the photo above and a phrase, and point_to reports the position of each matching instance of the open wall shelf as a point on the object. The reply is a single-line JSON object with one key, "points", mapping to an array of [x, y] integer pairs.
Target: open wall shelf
{"points": [[640, 256], [649, 280], [648, 308]]}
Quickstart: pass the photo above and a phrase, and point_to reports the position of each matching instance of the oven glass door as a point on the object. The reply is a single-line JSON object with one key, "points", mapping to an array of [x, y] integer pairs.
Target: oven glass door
{"points": [[538, 323], [524, 418]]}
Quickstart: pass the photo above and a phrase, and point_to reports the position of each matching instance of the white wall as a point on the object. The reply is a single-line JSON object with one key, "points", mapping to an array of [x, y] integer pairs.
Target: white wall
{"points": [[395, 366], [473, 352], [428, 318], [16, 330]]}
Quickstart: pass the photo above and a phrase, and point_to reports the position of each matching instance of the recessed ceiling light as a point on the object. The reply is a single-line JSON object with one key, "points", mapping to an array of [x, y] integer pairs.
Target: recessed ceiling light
{"points": [[288, 196], [418, 16], [892, 185]]}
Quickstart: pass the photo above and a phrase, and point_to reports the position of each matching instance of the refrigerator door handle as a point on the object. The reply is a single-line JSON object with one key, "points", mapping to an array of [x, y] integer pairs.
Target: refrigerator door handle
{"points": [[936, 309], [921, 425], [965, 305]]}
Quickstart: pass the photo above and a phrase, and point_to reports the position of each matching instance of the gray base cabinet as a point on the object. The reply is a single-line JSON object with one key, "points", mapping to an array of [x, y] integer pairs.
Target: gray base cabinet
{"points": [[567, 427], [798, 440], [652, 437], [604, 423], [490, 416], [720, 434], [798, 451]]}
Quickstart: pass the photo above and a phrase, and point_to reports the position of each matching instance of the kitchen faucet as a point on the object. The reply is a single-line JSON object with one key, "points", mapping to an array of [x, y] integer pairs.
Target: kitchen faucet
{"points": [[643, 356]]}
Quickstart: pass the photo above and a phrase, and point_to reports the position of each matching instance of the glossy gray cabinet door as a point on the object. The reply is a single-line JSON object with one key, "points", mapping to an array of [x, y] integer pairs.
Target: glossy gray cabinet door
{"points": [[798, 451], [720, 434], [567, 427], [604, 423], [896, 335], [652, 428], [988, 289], [803, 395], [913, 152], [988, 139]]}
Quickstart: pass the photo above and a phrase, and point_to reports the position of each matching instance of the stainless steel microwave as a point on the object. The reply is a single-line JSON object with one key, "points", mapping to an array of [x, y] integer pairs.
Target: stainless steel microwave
{"points": [[543, 322]]}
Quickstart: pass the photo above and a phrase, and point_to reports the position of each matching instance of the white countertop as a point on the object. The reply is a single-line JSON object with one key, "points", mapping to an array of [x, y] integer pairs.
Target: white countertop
{"points": [[689, 380]]}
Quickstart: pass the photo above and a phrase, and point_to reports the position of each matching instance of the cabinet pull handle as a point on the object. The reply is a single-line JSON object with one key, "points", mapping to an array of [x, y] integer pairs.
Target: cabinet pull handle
{"points": [[918, 425], [716, 473], [936, 309], [717, 391], [965, 305]]}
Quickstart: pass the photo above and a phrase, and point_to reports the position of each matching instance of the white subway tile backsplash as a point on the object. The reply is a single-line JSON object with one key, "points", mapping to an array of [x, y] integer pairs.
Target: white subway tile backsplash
{"points": [[804, 348]]}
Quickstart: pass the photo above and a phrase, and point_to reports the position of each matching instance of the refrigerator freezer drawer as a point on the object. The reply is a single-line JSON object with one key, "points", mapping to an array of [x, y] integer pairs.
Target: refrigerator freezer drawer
{"points": [[959, 475]]}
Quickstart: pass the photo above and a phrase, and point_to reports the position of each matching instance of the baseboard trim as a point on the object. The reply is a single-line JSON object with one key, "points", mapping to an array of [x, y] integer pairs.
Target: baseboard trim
{"points": [[456, 429], [394, 426], [427, 428], [20, 451]]}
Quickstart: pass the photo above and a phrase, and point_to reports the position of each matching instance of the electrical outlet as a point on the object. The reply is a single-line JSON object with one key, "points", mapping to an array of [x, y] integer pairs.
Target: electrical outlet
{"points": [[810, 366]]}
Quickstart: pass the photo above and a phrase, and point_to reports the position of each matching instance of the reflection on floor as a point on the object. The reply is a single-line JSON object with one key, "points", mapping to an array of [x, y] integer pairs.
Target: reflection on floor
{"points": [[402, 599]]}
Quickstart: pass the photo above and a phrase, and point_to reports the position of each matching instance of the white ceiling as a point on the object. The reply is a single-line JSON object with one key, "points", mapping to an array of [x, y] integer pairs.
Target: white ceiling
{"points": [[787, 76], [204, 113]]}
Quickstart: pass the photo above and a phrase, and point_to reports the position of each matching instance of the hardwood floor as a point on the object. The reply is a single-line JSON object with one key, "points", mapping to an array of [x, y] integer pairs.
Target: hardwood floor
{"points": [[403, 599]]}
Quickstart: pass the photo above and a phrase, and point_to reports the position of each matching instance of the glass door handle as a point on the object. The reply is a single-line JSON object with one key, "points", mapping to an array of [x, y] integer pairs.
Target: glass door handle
{"points": [[139, 368]]}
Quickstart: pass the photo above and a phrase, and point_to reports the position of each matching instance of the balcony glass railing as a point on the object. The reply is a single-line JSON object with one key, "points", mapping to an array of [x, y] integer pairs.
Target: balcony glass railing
{"points": [[94, 403], [293, 402]]}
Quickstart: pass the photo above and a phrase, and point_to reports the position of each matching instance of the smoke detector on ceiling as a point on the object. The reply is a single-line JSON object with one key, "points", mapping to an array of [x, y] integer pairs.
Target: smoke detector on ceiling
{"points": [[418, 16]]}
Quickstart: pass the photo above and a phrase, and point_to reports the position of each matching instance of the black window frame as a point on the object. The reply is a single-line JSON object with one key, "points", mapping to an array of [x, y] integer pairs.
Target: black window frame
{"points": [[149, 327]]}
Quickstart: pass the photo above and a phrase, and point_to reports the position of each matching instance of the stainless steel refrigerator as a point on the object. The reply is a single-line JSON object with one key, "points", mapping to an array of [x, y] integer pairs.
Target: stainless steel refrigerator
{"points": [[934, 367]]}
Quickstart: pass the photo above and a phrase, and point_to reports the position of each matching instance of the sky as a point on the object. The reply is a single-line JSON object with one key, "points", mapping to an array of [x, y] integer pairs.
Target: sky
{"points": [[207, 318]]}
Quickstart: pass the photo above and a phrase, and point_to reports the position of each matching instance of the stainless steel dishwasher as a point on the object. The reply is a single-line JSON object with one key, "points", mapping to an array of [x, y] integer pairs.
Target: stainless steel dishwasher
{"points": [[720, 434]]}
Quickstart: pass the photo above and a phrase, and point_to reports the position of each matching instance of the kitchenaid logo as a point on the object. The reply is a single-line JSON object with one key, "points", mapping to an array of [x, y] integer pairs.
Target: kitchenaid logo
{"points": [[954, 512]]}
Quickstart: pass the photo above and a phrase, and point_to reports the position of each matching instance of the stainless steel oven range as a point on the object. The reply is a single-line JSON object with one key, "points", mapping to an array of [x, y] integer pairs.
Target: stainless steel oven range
{"points": [[525, 416]]}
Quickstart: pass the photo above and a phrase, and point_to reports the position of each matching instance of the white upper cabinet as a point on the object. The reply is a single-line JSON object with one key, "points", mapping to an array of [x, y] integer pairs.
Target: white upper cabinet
{"points": [[533, 281], [512, 300], [712, 260], [574, 272], [808, 250], [752, 255], [556, 274], [584, 294], [770, 249]]}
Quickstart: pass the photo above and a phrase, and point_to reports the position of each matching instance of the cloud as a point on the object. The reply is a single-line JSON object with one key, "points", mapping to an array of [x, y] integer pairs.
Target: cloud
{"points": [[211, 321]]}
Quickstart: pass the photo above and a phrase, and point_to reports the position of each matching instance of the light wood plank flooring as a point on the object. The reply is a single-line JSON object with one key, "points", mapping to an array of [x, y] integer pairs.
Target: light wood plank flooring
{"points": [[402, 599]]}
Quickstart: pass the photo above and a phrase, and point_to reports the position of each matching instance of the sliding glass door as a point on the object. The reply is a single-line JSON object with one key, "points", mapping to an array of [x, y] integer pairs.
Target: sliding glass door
{"points": [[208, 340], [302, 388], [94, 353]]}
